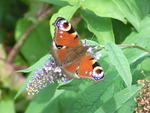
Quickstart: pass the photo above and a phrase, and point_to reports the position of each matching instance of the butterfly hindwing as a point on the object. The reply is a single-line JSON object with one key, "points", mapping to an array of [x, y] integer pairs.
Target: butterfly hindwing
{"points": [[88, 68]]}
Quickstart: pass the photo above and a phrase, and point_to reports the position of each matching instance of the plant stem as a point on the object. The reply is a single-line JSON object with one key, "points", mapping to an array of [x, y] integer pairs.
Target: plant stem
{"points": [[134, 46], [18, 45], [127, 45], [25, 34]]}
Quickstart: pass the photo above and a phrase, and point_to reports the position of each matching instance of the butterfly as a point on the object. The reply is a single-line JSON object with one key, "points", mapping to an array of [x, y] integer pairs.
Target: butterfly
{"points": [[70, 53]]}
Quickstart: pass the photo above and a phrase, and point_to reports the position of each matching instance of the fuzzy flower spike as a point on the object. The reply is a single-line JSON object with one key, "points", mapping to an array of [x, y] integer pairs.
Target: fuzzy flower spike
{"points": [[48, 73], [91, 50]]}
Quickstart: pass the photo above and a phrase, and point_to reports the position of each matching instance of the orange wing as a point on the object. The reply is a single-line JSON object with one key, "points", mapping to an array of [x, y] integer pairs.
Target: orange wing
{"points": [[65, 34], [88, 68], [65, 37]]}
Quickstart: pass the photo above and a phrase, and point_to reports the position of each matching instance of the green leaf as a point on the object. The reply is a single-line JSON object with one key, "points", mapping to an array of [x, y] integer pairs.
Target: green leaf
{"points": [[134, 54], [37, 65], [91, 95], [101, 27], [7, 106], [108, 93], [143, 7], [104, 8], [37, 43], [56, 2], [128, 107], [62, 104], [65, 12], [41, 99], [120, 61], [119, 9], [141, 38], [22, 24], [121, 30], [145, 64], [34, 6], [61, 2], [130, 11], [118, 100]]}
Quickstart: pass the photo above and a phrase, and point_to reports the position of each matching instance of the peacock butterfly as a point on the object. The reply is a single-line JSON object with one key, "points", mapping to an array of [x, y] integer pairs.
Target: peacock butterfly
{"points": [[69, 53]]}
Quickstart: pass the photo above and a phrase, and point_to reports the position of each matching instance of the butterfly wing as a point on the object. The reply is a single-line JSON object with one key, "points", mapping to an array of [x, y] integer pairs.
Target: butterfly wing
{"points": [[88, 68], [65, 37], [68, 51]]}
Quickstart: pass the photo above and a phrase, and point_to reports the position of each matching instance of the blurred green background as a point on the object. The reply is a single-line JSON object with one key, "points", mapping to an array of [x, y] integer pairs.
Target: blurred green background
{"points": [[26, 33]]}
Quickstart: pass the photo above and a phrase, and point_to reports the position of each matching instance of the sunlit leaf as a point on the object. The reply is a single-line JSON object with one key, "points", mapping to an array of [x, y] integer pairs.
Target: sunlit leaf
{"points": [[120, 10], [120, 61], [7, 106], [37, 65], [118, 100], [38, 41], [101, 27]]}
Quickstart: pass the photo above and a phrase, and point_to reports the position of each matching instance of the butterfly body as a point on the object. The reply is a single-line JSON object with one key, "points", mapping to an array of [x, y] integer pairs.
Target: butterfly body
{"points": [[72, 55]]}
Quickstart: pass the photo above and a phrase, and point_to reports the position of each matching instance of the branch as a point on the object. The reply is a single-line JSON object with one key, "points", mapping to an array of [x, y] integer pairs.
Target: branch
{"points": [[134, 46], [127, 45], [43, 14], [19, 43]]}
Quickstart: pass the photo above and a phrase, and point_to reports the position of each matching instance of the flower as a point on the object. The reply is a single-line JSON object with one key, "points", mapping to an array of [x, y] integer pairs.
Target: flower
{"points": [[91, 50], [144, 99], [50, 72], [97, 55]]}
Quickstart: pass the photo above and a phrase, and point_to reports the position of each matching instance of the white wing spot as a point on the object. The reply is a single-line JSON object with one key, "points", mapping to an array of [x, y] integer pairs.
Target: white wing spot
{"points": [[61, 32], [90, 73]]}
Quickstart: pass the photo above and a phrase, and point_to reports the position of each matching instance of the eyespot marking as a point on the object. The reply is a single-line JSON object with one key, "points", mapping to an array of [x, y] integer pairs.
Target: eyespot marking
{"points": [[71, 30], [77, 71], [57, 46], [98, 73], [76, 37], [63, 25], [95, 64]]}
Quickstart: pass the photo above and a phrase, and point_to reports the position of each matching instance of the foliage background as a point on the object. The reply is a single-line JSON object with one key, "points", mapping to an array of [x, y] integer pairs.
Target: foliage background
{"points": [[26, 33]]}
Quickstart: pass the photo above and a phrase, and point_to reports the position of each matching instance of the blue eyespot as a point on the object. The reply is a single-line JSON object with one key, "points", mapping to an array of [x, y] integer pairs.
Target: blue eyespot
{"points": [[98, 77], [59, 23]]}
